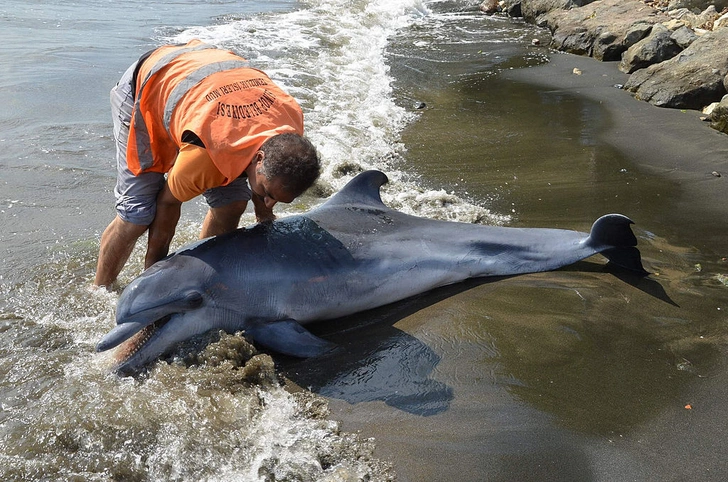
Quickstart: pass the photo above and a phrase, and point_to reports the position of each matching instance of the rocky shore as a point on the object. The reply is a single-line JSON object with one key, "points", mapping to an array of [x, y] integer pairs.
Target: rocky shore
{"points": [[675, 51]]}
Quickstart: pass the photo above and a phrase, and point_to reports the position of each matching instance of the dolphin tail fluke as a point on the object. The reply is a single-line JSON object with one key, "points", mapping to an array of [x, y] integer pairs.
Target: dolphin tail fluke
{"points": [[289, 338], [612, 236]]}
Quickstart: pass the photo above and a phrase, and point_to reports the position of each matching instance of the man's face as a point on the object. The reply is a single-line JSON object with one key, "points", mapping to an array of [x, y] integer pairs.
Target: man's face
{"points": [[271, 190]]}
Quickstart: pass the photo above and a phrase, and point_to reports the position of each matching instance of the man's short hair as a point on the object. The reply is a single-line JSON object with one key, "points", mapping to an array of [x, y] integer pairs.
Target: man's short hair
{"points": [[293, 160]]}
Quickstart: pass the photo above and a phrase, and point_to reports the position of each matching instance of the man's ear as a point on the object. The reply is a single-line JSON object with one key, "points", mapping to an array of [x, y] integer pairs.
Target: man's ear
{"points": [[258, 159]]}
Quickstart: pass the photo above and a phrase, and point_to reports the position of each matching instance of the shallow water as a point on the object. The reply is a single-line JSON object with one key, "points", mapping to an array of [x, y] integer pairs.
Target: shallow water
{"points": [[574, 375]]}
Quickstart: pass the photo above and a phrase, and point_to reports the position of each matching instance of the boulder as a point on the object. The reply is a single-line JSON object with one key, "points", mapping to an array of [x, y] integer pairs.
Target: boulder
{"points": [[719, 116], [702, 20], [691, 80], [683, 36], [676, 59], [697, 5], [601, 28], [709, 110], [490, 6], [532, 9], [512, 8], [657, 47], [721, 22], [636, 32]]}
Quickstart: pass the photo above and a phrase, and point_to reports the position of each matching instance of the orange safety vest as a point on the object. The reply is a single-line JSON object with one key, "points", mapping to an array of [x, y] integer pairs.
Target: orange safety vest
{"points": [[196, 87]]}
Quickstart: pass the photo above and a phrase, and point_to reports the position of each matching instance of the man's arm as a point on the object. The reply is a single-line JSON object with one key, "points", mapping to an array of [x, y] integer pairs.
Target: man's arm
{"points": [[262, 212], [161, 231]]}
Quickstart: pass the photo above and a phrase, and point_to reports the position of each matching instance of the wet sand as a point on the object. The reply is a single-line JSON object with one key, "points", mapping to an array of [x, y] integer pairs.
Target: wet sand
{"points": [[677, 146], [567, 375], [674, 144]]}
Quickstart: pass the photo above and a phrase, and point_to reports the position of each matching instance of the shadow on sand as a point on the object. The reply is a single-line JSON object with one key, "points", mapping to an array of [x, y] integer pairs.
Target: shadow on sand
{"points": [[375, 361]]}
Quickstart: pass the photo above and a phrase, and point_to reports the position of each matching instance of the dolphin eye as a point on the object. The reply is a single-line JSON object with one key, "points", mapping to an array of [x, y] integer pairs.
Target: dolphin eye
{"points": [[193, 299]]}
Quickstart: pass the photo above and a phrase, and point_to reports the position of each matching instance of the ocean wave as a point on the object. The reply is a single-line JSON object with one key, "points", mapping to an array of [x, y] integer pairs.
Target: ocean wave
{"points": [[331, 55]]}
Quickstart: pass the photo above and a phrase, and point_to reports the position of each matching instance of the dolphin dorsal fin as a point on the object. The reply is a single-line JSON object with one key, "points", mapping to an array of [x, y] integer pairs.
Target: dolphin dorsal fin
{"points": [[363, 189]]}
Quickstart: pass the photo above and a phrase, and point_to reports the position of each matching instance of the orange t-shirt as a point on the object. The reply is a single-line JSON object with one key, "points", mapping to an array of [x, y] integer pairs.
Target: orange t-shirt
{"points": [[232, 108], [193, 173]]}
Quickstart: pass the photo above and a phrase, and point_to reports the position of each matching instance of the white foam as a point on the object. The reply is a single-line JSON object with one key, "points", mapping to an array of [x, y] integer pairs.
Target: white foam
{"points": [[331, 56]]}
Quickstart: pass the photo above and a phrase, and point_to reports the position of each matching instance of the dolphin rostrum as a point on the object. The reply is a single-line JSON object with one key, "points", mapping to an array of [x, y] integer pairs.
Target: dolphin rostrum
{"points": [[350, 254]]}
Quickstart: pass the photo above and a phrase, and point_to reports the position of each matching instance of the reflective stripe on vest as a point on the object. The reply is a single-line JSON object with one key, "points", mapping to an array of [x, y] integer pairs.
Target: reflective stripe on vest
{"points": [[193, 79], [144, 149]]}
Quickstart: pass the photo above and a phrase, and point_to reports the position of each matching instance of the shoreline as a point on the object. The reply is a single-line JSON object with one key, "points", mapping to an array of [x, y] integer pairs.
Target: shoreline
{"points": [[671, 143]]}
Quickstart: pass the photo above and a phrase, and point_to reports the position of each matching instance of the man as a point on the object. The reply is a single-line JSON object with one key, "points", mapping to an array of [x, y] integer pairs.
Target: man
{"points": [[190, 120]]}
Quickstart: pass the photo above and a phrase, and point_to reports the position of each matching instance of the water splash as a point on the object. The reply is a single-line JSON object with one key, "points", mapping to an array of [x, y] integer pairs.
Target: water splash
{"points": [[331, 55], [212, 410]]}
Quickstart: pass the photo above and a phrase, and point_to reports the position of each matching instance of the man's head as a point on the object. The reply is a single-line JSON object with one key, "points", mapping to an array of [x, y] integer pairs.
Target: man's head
{"points": [[284, 167]]}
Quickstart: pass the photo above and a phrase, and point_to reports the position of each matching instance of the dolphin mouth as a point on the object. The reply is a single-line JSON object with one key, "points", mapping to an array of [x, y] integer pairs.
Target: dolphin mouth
{"points": [[126, 350]]}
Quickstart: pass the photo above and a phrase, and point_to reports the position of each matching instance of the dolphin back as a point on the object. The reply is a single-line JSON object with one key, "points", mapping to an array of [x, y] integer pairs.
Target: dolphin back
{"points": [[362, 190]]}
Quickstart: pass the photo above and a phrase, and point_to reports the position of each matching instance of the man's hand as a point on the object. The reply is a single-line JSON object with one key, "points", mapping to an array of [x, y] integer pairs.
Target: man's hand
{"points": [[262, 212]]}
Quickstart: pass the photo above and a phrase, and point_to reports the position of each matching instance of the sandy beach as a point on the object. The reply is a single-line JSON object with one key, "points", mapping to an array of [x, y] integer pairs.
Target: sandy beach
{"points": [[576, 374], [674, 144], [657, 419]]}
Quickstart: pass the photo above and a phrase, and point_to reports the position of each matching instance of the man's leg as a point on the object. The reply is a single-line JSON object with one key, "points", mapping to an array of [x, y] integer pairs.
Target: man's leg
{"points": [[135, 195], [221, 220], [117, 243]]}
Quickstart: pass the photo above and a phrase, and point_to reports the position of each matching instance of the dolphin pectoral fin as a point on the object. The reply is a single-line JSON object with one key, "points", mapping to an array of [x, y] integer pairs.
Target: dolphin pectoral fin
{"points": [[289, 338], [118, 335]]}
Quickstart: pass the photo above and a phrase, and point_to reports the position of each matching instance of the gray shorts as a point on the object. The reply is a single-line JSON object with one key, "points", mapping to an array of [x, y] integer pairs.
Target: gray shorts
{"points": [[136, 196]]}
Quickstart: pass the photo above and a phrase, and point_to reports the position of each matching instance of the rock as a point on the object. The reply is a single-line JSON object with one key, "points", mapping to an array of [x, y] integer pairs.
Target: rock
{"points": [[601, 28], [490, 6], [690, 80], [683, 36], [607, 45], [719, 116], [721, 22], [709, 109], [676, 4], [574, 40], [655, 48], [673, 24], [696, 5], [636, 32], [512, 8], [675, 62], [692, 20], [532, 9]]}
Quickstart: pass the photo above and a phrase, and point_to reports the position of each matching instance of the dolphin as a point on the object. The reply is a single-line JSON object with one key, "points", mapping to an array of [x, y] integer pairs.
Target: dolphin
{"points": [[350, 254]]}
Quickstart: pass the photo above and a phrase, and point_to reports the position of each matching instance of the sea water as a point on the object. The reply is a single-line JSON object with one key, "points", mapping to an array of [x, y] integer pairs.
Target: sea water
{"points": [[573, 375], [63, 415]]}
